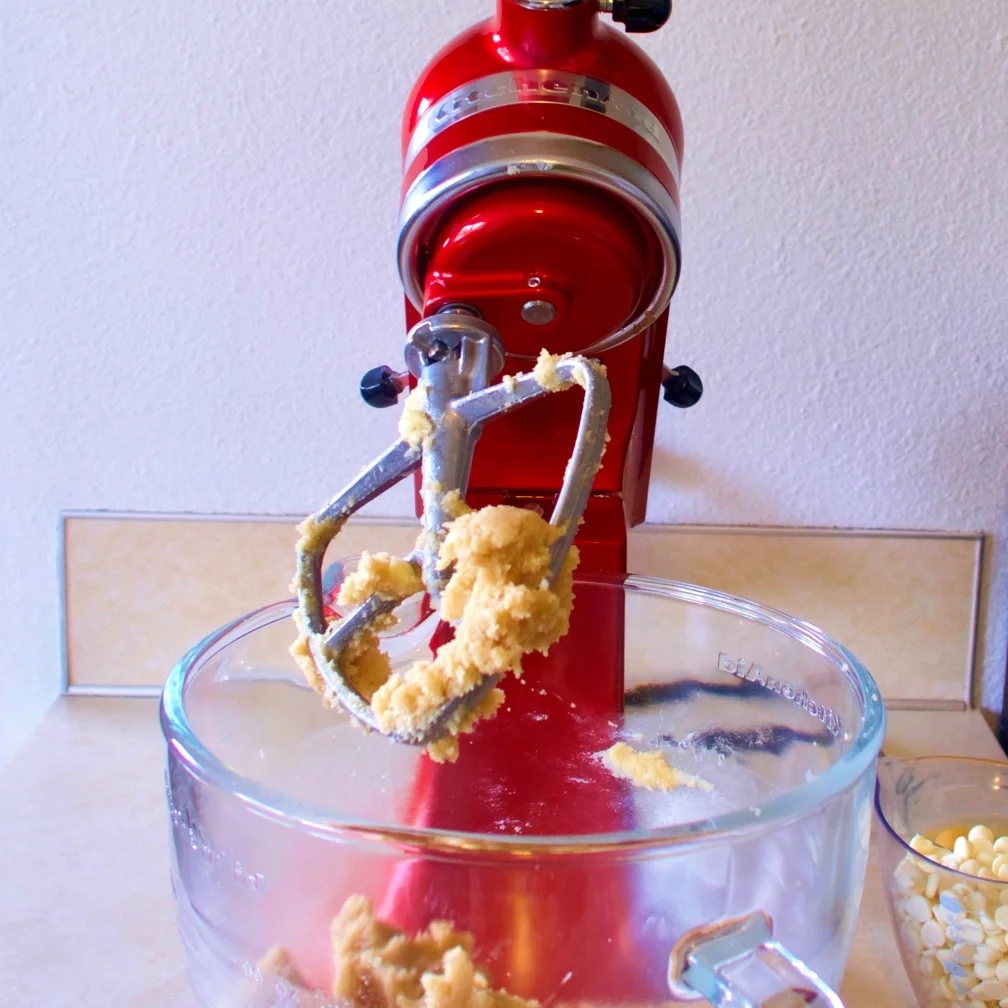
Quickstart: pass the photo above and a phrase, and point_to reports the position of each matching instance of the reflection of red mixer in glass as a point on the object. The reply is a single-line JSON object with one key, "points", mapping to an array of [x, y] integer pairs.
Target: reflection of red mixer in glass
{"points": [[540, 209], [572, 248]]}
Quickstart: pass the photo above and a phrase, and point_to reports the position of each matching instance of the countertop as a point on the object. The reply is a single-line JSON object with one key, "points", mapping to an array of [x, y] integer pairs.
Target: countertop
{"points": [[86, 916]]}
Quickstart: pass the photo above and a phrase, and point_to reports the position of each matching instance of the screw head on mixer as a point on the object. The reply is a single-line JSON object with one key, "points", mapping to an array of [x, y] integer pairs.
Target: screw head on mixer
{"points": [[381, 386], [641, 15], [682, 385], [538, 312]]}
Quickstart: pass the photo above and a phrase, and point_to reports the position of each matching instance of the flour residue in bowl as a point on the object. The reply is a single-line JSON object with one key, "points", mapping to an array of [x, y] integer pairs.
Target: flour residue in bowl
{"points": [[649, 769]]}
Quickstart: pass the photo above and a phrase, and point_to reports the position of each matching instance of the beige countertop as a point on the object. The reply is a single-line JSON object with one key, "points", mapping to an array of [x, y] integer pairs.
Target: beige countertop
{"points": [[86, 917]]}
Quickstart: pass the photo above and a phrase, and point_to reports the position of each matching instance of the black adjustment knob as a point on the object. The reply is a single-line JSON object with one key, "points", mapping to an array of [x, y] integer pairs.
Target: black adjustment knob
{"points": [[641, 15], [682, 386], [381, 386]]}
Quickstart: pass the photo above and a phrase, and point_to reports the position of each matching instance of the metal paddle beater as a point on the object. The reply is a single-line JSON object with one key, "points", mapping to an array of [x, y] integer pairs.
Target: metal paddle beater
{"points": [[454, 355]]}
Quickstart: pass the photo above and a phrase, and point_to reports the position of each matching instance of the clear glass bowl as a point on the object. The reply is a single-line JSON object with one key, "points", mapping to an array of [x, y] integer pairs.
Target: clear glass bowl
{"points": [[947, 921], [281, 809]]}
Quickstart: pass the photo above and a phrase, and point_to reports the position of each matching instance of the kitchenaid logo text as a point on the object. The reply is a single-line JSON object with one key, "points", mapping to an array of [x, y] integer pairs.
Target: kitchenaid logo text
{"points": [[222, 863], [567, 89], [558, 87], [752, 672]]}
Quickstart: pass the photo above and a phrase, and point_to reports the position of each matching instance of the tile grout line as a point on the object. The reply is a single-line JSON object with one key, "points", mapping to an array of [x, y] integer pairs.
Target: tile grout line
{"points": [[62, 603], [974, 662], [644, 529]]}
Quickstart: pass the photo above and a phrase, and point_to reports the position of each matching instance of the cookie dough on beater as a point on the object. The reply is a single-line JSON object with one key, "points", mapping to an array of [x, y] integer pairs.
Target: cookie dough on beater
{"points": [[498, 594], [500, 597], [503, 576]]}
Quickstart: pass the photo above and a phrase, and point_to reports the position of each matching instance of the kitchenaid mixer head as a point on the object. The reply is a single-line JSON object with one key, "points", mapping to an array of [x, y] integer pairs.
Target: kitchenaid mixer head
{"points": [[453, 355]]}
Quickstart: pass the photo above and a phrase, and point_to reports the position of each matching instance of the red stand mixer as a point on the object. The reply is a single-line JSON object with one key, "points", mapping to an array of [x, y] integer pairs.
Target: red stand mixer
{"points": [[540, 209]]}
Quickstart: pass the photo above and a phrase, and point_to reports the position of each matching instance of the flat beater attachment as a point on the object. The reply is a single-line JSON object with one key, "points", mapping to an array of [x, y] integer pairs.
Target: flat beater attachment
{"points": [[453, 355]]}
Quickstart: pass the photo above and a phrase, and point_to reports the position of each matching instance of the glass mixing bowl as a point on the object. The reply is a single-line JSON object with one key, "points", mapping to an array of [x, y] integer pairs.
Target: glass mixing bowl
{"points": [[952, 925], [282, 810]]}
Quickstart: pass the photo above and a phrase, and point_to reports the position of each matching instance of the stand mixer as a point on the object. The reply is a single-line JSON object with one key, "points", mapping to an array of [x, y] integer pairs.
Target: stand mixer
{"points": [[539, 212], [541, 154]]}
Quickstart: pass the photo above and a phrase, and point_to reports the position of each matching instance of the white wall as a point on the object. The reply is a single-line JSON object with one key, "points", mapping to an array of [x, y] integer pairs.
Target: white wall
{"points": [[198, 204]]}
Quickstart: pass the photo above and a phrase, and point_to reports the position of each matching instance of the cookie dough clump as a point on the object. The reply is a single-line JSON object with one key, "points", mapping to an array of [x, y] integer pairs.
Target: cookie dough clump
{"points": [[500, 597], [378, 966], [415, 427], [362, 661], [381, 967], [380, 574], [545, 371]]}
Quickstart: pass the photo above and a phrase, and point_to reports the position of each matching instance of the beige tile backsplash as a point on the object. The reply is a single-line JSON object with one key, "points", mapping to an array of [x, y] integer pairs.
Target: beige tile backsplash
{"points": [[905, 604]]}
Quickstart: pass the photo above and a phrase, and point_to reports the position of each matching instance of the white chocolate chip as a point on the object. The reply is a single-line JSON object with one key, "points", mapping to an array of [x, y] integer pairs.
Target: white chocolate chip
{"points": [[909, 878], [932, 886], [932, 934], [961, 984], [1001, 845], [964, 954], [963, 848], [1001, 915], [965, 931], [918, 908], [1001, 971], [976, 902], [989, 990], [922, 845], [970, 866], [987, 955], [912, 941], [953, 902], [947, 838]]}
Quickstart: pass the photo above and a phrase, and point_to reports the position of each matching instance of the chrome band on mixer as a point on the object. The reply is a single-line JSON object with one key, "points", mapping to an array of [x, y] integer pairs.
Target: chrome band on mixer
{"points": [[548, 4], [551, 87], [537, 155]]}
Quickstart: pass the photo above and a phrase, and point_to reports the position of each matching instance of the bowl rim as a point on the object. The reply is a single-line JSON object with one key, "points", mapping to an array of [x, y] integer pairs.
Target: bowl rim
{"points": [[904, 844], [796, 803]]}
